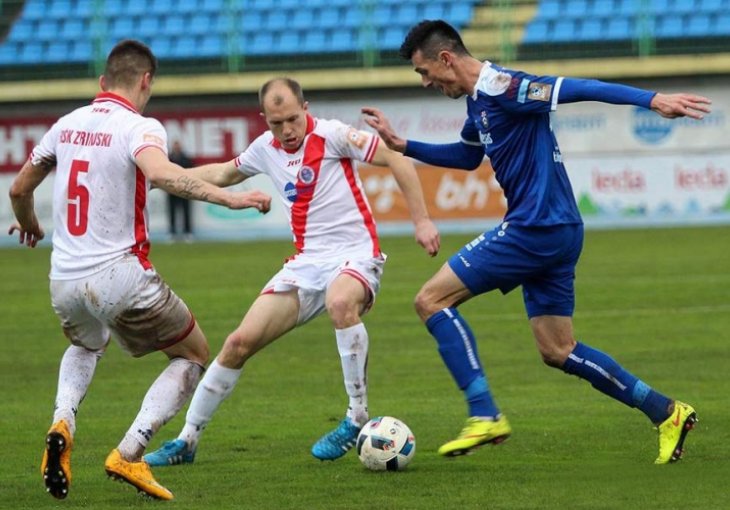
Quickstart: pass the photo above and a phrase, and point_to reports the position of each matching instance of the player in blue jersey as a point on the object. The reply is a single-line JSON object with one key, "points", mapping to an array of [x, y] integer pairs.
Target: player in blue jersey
{"points": [[538, 243]]}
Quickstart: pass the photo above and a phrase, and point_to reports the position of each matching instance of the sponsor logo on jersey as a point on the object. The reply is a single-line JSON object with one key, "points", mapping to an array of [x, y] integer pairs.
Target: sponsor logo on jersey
{"points": [[496, 82], [539, 91], [290, 192], [148, 137], [356, 138]]}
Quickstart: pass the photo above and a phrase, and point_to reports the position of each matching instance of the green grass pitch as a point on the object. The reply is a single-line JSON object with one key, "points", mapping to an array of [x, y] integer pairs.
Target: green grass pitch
{"points": [[656, 300]]}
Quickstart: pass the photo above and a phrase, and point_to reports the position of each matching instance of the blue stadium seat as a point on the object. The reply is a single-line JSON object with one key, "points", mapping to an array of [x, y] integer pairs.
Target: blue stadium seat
{"points": [[161, 7], [262, 43], [619, 28], [80, 51], [353, 18], [288, 42], [603, 8], [549, 9], [590, 29], [31, 52], [276, 20], [112, 8], [329, 18], [8, 53], [405, 14], [435, 10], [199, 23], [537, 31], [303, 19], [173, 25], [34, 10], [183, 47], [133, 8], [22, 30], [343, 40], [315, 41], [392, 38], [122, 28], [82, 8], [47, 29], [564, 30], [57, 52], [721, 25], [211, 45], [576, 8], [627, 8], [183, 6], [698, 25], [212, 6], [670, 26], [251, 21], [148, 26], [712, 5], [58, 9], [161, 46], [459, 14]]}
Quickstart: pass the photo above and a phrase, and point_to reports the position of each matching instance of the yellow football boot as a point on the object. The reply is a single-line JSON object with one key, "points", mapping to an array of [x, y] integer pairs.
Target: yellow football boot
{"points": [[56, 463], [673, 431], [475, 433], [137, 474]]}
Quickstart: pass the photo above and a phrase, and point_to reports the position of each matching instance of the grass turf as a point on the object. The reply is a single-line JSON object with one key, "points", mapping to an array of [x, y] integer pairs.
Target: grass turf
{"points": [[656, 300]]}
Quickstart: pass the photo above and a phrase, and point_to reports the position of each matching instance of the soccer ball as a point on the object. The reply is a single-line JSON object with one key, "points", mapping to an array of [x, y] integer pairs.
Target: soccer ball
{"points": [[386, 443]]}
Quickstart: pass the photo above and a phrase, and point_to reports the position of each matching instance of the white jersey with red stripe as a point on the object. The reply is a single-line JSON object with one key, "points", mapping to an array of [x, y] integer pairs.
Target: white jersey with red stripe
{"points": [[99, 194], [319, 185]]}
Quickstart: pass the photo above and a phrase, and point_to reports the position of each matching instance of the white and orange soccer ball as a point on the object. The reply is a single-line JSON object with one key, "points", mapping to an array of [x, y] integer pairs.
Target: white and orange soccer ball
{"points": [[386, 444]]}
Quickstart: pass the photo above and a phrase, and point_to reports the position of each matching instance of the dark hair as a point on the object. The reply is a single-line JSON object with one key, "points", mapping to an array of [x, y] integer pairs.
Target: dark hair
{"points": [[291, 84], [432, 36], [128, 60]]}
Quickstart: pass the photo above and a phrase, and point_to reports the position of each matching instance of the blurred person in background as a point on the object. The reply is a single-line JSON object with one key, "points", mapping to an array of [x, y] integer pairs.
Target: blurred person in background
{"points": [[107, 156], [538, 243], [179, 206], [338, 262]]}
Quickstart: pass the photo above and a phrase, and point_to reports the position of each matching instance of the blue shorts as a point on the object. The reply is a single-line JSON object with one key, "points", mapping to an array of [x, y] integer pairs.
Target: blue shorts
{"points": [[541, 259]]}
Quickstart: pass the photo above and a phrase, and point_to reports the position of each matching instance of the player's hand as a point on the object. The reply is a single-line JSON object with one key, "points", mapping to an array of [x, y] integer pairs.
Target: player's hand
{"points": [[380, 123], [671, 106], [28, 237], [427, 235], [256, 199]]}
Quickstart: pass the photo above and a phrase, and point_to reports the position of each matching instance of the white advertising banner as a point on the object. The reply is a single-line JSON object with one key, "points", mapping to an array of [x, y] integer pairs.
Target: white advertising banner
{"points": [[628, 166]]}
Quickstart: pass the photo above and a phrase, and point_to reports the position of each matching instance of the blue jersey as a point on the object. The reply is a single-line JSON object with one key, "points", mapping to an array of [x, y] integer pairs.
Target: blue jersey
{"points": [[509, 114]]}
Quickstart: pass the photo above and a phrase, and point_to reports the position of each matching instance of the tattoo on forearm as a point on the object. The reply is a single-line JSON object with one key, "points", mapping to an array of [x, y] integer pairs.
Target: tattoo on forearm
{"points": [[185, 187]]}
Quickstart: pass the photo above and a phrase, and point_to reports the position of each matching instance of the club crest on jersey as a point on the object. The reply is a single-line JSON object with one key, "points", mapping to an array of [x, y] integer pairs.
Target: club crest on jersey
{"points": [[539, 91], [485, 120], [356, 138], [306, 175]]}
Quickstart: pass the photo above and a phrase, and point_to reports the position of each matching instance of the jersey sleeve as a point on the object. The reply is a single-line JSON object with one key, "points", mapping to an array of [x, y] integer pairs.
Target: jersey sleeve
{"points": [[147, 133], [519, 92], [250, 161], [45, 151], [470, 134], [348, 142]]}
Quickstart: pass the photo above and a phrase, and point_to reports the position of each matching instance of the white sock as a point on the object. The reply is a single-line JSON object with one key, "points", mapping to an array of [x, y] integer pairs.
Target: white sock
{"points": [[74, 376], [352, 343], [163, 400], [217, 383]]}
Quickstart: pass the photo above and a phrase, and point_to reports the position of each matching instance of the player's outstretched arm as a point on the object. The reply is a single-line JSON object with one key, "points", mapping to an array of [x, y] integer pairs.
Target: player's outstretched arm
{"points": [[672, 106], [21, 198], [427, 234], [219, 174], [174, 179], [380, 123]]}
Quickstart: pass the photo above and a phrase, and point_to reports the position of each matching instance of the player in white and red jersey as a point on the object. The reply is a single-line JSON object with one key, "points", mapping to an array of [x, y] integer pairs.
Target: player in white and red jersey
{"points": [[106, 156], [338, 261]]}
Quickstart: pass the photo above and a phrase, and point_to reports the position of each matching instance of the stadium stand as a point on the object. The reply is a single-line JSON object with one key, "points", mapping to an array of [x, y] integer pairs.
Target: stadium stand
{"points": [[70, 38]]}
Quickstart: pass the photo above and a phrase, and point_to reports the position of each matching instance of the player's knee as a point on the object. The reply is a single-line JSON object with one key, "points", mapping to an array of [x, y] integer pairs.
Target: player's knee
{"points": [[424, 305], [236, 349], [343, 312], [554, 355]]}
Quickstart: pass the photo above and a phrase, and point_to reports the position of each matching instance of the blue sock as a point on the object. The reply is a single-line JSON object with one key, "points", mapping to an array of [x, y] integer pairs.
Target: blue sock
{"points": [[457, 348], [610, 378]]}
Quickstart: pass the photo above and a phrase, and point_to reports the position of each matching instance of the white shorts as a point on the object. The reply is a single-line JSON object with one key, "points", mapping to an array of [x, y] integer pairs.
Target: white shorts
{"points": [[312, 277], [125, 299]]}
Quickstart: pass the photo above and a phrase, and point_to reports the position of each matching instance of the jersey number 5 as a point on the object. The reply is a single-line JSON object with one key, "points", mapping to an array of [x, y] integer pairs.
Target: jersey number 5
{"points": [[78, 199]]}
